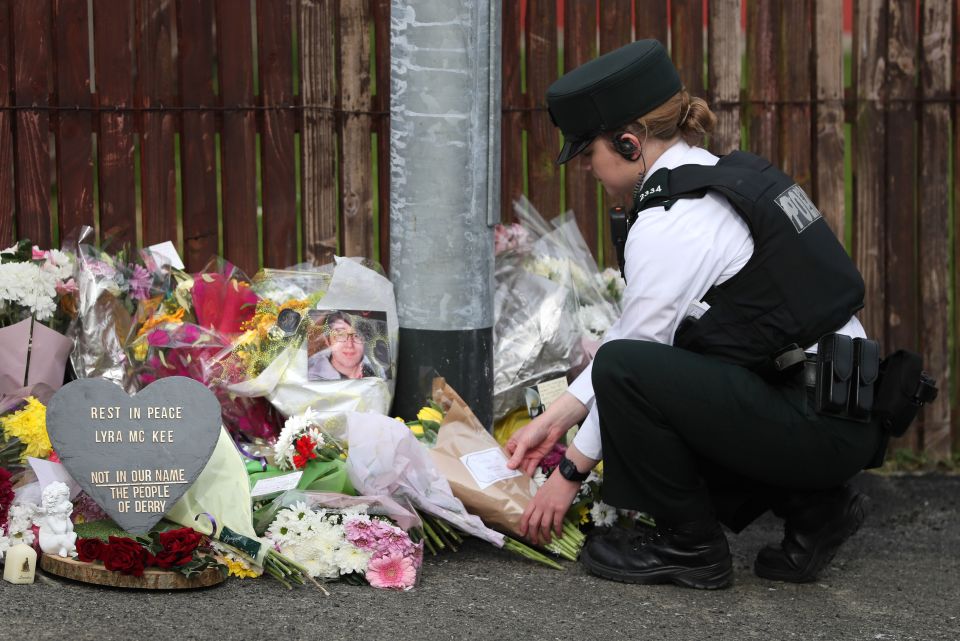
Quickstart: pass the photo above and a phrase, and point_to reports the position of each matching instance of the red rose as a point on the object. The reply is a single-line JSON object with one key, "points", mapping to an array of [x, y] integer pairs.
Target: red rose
{"points": [[167, 559], [125, 556], [6, 494], [89, 549], [182, 541]]}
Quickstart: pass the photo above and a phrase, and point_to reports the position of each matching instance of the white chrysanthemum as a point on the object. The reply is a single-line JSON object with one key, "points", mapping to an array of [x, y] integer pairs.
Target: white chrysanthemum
{"points": [[20, 517], [280, 533], [539, 477], [58, 264], [593, 320], [603, 514], [21, 536], [26, 285], [356, 513], [352, 559]]}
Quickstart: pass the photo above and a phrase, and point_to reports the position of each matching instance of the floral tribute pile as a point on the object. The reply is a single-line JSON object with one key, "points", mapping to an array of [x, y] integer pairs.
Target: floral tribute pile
{"points": [[316, 482]]}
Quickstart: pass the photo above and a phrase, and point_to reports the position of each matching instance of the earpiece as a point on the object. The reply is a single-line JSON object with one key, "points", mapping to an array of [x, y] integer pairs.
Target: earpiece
{"points": [[625, 146]]}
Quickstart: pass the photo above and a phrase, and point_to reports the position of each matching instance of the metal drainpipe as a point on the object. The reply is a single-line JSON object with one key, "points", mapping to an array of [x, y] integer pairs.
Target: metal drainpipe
{"points": [[444, 195]]}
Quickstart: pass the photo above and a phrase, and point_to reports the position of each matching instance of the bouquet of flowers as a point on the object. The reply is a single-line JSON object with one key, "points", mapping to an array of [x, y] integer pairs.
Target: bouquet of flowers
{"points": [[333, 349], [180, 333], [111, 286], [358, 539], [475, 466], [551, 305], [37, 303], [184, 550]]}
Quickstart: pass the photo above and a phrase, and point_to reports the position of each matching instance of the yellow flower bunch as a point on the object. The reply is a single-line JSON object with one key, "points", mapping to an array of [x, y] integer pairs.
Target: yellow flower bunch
{"points": [[30, 426]]}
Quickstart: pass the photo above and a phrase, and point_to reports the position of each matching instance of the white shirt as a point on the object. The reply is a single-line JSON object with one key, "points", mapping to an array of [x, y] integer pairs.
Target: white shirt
{"points": [[672, 259]]}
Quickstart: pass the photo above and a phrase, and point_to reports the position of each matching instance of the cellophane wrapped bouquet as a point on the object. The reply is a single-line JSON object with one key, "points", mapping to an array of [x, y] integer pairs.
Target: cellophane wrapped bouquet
{"points": [[358, 539], [324, 339], [551, 304], [178, 332]]}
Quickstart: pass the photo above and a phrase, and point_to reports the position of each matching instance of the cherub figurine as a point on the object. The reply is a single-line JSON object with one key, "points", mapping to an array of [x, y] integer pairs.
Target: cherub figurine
{"points": [[53, 517]]}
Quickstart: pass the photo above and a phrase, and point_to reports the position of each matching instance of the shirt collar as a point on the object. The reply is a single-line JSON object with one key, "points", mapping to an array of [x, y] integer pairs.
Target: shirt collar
{"points": [[671, 158]]}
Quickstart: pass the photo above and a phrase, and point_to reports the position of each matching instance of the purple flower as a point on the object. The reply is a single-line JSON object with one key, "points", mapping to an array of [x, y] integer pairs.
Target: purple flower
{"points": [[158, 338], [140, 282], [554, 456]]}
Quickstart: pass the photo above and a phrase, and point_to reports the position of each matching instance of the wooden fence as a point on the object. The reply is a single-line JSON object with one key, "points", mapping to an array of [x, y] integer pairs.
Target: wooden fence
{"points": [[258, 129]]}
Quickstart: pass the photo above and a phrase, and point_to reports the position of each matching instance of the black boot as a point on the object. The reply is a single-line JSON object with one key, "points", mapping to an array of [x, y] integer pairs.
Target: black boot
{"points": [[815, 526], [691, 555]]}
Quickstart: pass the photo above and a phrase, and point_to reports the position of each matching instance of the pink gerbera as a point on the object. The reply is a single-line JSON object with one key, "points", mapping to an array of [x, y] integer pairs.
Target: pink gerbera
{"points": [[391, 571]]}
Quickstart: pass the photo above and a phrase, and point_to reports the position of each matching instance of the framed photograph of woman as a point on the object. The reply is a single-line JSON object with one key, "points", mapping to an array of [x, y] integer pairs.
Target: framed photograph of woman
{"points": [[345, 344]]}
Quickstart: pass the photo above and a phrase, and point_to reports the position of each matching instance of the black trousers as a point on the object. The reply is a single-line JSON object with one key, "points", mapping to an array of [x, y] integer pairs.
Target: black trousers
{"points": [[688, 438]]}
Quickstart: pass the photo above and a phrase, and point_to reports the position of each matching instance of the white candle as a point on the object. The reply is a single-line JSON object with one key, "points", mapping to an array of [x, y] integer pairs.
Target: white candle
{"points": [[20, 564]]}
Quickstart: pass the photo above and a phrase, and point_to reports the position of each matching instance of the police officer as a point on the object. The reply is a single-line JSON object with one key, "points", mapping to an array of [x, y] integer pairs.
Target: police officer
{"points": [[712, 433]]}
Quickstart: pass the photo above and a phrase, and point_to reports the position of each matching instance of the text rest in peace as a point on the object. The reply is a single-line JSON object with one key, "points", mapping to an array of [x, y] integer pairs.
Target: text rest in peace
{"points": [[158, 412]]}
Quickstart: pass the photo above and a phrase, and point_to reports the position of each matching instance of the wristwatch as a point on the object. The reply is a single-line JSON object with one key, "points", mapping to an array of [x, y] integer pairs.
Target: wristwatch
{"points": [[570, 472]]}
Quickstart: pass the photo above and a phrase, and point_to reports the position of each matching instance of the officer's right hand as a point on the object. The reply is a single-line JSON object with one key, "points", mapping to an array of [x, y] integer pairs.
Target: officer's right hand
{"points": [[533, 441]]}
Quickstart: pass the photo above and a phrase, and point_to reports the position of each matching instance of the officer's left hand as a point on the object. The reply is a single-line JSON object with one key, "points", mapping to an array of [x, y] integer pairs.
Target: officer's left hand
{"points": [[547, 509]]}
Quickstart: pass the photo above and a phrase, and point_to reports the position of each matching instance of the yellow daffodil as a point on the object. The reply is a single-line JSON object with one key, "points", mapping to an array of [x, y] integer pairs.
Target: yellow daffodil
{"points": [[429, 414]]}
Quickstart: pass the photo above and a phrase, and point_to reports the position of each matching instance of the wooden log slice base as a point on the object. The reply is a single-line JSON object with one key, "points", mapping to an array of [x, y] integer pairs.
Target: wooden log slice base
{"points": [[152, 579]]}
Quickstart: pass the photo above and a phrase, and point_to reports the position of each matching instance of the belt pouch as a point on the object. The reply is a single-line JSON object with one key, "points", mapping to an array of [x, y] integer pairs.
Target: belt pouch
{"points": [[866, 367], [834, 371]]}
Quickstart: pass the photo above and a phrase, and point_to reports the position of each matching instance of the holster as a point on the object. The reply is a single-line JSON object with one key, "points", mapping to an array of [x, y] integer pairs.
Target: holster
{"points": [[903, 389], [847, 370]]}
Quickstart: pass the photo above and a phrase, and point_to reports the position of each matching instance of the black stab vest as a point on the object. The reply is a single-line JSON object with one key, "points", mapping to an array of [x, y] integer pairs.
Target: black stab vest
{"points": [[799, 284]]}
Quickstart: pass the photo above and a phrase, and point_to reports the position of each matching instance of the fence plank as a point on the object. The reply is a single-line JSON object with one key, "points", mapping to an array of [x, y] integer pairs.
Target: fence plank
{"points": [[828, 185], [355, 150], [579, 46], [615, 31], [796, 27], [73, 128], [115, 143], [543, 142], [319, 139], [380, 13], [955, 369], [723, 58], [686, 43], [762, 49], [156, 80], [198, 140], [31, 36], [934, 228], [7, 212], [651, 18], [870, 36], [900, 279], [514, 115], [237, 142], [274, 35]]}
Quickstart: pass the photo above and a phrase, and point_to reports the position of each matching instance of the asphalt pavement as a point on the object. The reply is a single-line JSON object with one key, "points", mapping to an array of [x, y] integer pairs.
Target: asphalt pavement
{"points": [[897, 579]]}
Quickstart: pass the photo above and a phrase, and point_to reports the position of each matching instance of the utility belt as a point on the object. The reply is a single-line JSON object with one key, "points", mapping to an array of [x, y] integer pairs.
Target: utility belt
{"points": [[849, 380]]}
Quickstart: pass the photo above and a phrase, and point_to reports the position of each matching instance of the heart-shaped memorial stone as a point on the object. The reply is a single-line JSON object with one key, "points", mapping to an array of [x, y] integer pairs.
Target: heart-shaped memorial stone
{"points": [[135, 456]]}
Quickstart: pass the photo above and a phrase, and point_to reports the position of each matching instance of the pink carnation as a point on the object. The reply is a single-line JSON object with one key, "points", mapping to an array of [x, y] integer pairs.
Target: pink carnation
{"points": [[158, 338], [37, 254], [359, 534], [391, 571]]}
